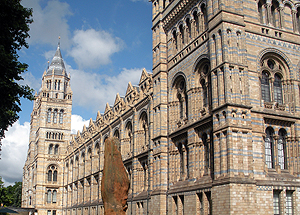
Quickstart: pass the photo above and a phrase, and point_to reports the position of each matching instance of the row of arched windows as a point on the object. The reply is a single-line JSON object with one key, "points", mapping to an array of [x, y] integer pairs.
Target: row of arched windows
{"points": [[53, 149], [275, 148], [56, 86], [191, 27], [55, 113], [279, 15], [52, 135]]}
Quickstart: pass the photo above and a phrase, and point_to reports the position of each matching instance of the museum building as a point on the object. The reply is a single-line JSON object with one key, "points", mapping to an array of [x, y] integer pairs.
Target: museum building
{"points": [[214, 129]]}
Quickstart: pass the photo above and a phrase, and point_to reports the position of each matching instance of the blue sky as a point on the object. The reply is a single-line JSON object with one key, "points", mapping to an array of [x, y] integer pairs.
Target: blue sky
{"points": [[105, 44]]}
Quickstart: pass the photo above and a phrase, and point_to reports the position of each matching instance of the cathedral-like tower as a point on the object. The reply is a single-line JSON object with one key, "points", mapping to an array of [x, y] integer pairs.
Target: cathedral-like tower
{"points": [[50, 131]]}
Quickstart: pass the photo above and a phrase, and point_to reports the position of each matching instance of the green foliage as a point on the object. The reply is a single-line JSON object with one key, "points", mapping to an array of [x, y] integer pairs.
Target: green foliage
{"points": [[14, 25], [11, 195]]}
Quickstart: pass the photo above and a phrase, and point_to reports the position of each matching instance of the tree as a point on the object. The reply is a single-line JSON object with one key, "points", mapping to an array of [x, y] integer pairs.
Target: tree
{"points": [[11, 195], [14, 25]]}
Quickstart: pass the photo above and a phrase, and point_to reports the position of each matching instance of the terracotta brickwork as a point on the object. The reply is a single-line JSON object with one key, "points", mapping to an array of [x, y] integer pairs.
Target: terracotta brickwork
{"points": [[213, 130]]}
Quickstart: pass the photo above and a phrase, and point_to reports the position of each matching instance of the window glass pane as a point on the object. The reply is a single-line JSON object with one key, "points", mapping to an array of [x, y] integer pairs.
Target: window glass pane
{"points": [[49, 175], [49, 196], [55, 116], [48, 212], [54, 212], [268, 149], [281, 150], [265, 87], [276, 202], [289, 203], [54, 196], [277, 90], [49, 116], [55, 175]]}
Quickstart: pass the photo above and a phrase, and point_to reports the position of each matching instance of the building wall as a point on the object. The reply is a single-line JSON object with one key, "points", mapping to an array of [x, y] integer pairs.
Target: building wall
{"points": [[214, 128]]}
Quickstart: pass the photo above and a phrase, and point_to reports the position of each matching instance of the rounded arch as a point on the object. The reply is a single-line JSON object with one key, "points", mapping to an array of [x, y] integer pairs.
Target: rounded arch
{"points": [[178, 74], [274, 53], [194, 10], [200, 59], [143, 120], [128, 128], [116, 133]]}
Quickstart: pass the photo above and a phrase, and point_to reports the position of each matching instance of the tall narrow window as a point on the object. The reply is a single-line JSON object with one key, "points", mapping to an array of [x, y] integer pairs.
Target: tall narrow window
{"points": [[277, 89], [54, 212], [276, 202], [289, 203], [55, 175], [204, 94], [49, 115], [49, 175], [282, 149], [196, 18], [49, 212], [50, 151], [54, 195], [298, 20], [55, 116], [61, 115], [56, 149], [265, 87], [269, 148], [58, 86], [49, 198]]}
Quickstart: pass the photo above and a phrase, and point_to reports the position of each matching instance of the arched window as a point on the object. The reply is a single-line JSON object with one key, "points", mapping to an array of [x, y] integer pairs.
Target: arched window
{"points": [[49, 115], [56, 149], [49, 196], [277, 89], [50, 151], [181, 97], [54, 196], [269, 148], [50, 175], [298, 20], [61, 115], [188, 25], [273, 71], [204, 18], [196, 18], [265, 87], [117, 134], [55, 116], [174, 39], [181, 30], [275, 14], [282, 149]]}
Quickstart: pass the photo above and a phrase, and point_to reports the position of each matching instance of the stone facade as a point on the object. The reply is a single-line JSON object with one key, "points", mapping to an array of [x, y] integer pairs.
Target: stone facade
{"points": [[213, 130]]}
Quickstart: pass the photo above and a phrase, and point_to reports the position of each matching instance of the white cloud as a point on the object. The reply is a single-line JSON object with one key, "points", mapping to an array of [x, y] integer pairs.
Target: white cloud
{"points": [[77, 123], [93, 48], [31, 81], [15, 147], [93, 91], [49, 22], [14, 151]]}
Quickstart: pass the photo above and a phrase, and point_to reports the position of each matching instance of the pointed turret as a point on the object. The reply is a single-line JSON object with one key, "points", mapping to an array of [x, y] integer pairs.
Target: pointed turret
{"points": [[57, 66]]}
